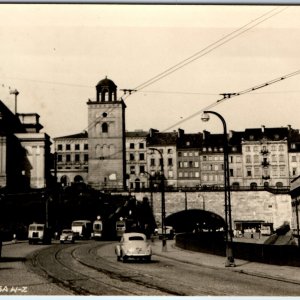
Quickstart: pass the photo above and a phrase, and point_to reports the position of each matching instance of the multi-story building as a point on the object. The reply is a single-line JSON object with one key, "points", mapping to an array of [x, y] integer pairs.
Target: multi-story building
{"points": [[72, 157], [24, 151], [164, 144], [136, 160], [188, 159], [265, 157]]}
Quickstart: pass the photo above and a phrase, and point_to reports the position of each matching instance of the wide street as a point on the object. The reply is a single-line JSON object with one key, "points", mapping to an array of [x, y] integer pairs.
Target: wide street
{"points": [[91, 268]]}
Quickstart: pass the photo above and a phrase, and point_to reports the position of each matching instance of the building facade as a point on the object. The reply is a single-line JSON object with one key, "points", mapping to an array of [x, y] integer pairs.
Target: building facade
{"points": [[106, 133], [24, 152]]}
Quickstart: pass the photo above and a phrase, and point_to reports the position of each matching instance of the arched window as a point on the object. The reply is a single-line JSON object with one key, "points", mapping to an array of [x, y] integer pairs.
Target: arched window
{"points": [[104, 127]]}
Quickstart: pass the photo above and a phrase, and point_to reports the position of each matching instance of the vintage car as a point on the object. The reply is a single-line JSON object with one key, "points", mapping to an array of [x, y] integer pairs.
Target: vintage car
{"points": [[133, 245], [67, 235]]}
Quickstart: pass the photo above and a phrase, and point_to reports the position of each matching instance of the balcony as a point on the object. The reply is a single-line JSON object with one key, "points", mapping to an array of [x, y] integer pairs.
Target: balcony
{"points": [[264, 151], [265, 163], [266, 177]]}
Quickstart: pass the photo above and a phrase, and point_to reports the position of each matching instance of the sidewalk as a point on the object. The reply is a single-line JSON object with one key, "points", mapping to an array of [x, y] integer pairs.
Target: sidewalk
{"points": [[281, 273]]}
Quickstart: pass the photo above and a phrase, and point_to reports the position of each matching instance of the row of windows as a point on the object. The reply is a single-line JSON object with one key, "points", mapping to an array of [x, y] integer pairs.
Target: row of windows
{"points": [[135, 146], [153, 162], [60, 147], [256, 158], [74, 158], [132, 156], [188, 164], [264, 148]]}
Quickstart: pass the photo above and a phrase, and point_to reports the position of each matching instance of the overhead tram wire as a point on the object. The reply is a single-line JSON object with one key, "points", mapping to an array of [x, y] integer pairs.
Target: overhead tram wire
{"points": [[211, 47], [227, 96]]}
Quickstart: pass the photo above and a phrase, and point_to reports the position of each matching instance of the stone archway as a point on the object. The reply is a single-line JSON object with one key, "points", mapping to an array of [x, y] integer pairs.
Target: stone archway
{"points": [[65, 180], [78, 179]]}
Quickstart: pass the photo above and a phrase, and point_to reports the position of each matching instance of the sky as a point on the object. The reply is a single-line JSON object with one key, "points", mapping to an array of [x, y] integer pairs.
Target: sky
{"points": [[55, 55]]}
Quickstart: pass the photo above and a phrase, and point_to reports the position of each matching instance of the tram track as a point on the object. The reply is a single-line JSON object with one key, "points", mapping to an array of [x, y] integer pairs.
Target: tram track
{"points": [[78, 268]]}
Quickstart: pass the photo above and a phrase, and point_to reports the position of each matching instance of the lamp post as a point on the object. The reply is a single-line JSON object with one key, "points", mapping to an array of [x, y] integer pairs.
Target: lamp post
{"points": [[228, 232], [163, 209]]}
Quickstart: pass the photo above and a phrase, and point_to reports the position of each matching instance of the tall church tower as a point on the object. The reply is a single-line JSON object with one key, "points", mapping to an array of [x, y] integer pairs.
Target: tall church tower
{"points": [[106, 138]]}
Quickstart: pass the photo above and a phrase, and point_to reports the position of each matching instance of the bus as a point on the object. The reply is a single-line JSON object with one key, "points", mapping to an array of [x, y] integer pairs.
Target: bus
{"points": [[39, 233], [82, 229], [97, 229], [120, 227]]}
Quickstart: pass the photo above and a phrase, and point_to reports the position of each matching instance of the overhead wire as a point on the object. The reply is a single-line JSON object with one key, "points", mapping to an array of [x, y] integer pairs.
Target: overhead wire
{"points": [[211, 47], [227, 96]]}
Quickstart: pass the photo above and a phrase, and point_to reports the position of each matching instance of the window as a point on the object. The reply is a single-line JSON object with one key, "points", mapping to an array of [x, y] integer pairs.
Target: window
{"points": [[256, 158], [294, 171], [86, 157], [196, 164], [152, 162], [256, 171], [274, 159], [293, 146], [170, 151], [255, 148], [185, 164], [238, 159], [231, 159], [77, 157], [180, 164], [282, 171], [86, 146], [231, 172], [273, 147], [186, 174], [77, 147], [281, 158], [59, 158], [204, 158], [104, 127], [190, 164], [142, 156], [179, 154], [131, 156], [170, 162], [197, 174], [294, 159], [59, 147], [184, 153], [247, 148], [141, 145], [281, 148], [132, 170], [142, 169], [180, 174], [68, 157], [131, 146], [249, 173], [170, 174], [248, 159], [68, 147]]}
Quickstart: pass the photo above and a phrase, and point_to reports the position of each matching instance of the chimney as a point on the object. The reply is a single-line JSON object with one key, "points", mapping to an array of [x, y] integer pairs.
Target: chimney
{"points": [[180, 133]]}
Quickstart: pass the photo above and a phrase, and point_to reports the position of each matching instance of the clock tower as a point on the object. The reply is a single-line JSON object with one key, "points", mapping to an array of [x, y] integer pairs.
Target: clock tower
{"points": [[106, 138]]}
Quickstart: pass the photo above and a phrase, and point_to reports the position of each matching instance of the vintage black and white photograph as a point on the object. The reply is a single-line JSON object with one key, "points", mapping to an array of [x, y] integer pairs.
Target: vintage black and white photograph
{"points": [[149, 150]]}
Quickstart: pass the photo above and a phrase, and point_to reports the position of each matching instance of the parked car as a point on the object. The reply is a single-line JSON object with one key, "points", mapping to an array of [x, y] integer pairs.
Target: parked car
{"points": [[67, 235], [133, 245], [169, 232]]}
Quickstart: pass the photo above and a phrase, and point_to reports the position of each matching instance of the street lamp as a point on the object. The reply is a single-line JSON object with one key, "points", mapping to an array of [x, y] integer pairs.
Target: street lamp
{"points": [[228, 232], [163, 209]]}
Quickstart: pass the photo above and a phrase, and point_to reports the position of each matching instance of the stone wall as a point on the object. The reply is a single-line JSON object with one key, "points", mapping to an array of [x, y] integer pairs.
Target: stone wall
{"points": [[252, 205]]}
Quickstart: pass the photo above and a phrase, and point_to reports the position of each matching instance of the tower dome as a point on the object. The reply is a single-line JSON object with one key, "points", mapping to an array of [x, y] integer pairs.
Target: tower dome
{"points": [[106, 90]]}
